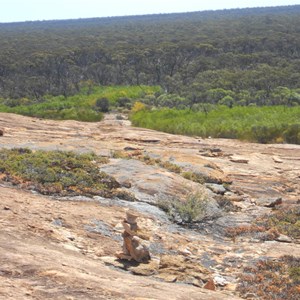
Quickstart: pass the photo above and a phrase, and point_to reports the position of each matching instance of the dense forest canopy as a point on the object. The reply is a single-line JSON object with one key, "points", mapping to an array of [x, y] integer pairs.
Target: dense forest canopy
{"points": [[240, 56]]}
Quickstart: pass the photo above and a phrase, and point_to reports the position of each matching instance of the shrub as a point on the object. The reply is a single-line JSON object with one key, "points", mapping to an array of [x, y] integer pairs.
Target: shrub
{"points": [[190, 210], [196, 177], [170, 166], [56, 171], [138, 106], [124, 102], [285, 221], [268, 279], [102, 105], [292, 134]]}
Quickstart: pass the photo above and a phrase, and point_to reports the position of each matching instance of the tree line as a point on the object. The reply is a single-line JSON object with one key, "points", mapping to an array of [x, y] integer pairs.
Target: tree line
{"points": [[240, 56]]}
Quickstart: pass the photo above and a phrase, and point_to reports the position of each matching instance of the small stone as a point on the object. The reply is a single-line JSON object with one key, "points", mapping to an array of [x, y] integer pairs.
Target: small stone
{"points": [[6, 208], [277, 160], [129, 148], [233, 197], [126, 184], [284, 239], [239, 159], [251, 296], [119, 227], [216, 150], [197, 282], [1, 132], [231, 287], [216, 188], [185, 252], [210, 285], [220, 280]]}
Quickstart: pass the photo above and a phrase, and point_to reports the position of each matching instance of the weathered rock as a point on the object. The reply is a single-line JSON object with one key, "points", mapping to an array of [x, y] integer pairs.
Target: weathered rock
{"points": [[215, 150], [277, 160], [210, 285], [126, 184], [231, 287], [251, 296], [233, 197], [211, 152], [148, 183], [220, 280], [146, 269], [269, 202], [284, 239], [182, 268], [239, 159], [216, 188]]}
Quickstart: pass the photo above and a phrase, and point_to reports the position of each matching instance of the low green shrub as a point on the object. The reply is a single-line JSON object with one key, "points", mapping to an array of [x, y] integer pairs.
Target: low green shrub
{"points": [[189, 210], [56, 172]]}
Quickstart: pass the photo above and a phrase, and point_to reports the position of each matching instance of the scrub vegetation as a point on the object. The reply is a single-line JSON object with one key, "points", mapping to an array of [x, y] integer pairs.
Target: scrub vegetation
{"points": [[275, 124], [88, 105], [56, 172]]}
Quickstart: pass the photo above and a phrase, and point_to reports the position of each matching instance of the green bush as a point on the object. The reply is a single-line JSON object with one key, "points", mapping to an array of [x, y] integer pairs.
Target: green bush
{"points": [[190, 210], [56, 171], [102, 104], [84, 106]]}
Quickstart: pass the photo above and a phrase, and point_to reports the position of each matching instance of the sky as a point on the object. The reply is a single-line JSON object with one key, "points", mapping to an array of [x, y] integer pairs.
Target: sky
{"points": [[32, 10]]}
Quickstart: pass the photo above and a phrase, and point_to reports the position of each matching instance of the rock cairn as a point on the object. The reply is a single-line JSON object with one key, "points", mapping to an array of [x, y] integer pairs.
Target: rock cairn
{"points": [[134, 244]]}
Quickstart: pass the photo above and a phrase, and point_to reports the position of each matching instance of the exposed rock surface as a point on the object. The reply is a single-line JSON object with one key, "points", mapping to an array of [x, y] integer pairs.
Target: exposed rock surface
{"points": [[62, 247]]}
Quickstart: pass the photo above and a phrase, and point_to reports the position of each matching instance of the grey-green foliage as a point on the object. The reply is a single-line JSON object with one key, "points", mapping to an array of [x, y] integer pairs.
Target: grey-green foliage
{"points": [[189, 210]]}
